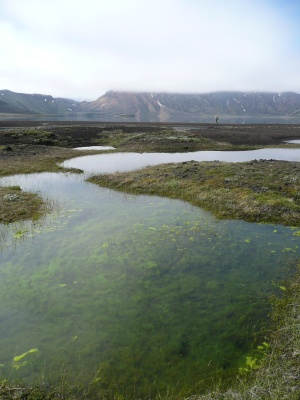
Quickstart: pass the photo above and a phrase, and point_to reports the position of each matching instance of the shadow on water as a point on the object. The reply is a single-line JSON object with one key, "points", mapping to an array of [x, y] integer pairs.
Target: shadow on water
{"points": [[138, 293]]}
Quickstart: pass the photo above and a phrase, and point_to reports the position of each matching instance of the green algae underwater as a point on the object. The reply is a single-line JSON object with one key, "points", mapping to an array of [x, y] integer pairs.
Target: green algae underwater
{"points": [[139, 295]]}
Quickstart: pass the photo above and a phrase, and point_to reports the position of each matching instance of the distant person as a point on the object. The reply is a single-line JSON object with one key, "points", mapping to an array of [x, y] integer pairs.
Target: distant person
{"points": [[217, 119]]}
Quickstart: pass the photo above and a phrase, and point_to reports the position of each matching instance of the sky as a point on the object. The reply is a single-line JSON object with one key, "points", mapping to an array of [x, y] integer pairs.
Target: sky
{"points": [[80, 49]]}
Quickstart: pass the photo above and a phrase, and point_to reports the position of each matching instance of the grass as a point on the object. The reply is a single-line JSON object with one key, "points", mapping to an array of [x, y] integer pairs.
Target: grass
{"points": [[17, 205], [39, 159], [261, 191], [164, 140]]}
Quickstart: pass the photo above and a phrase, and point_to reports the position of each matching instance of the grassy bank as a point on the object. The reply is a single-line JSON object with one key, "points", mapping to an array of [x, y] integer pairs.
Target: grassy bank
{"points": [[32, 159], [257, 191]]}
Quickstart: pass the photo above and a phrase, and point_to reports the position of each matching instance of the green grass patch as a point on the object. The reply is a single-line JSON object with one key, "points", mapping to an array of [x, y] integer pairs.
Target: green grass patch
{"points": [[261, 191], [163, 140]]}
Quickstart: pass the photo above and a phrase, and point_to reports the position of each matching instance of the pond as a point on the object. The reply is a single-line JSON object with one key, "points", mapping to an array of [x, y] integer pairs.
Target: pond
{"points": [[95, 148], [112, 162], [138, 293], [295, 141]]}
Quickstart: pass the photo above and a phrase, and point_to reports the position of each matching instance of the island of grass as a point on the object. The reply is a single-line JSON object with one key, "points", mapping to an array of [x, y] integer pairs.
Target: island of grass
{"points": [[257, 191], [17, 205]]}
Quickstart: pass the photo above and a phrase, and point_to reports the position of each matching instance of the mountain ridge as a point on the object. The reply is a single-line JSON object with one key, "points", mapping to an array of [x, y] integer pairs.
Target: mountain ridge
{"points": [[157, 107]]}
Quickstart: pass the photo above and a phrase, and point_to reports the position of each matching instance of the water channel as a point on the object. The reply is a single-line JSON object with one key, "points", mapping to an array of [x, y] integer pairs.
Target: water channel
{"points": [[139, 293]]}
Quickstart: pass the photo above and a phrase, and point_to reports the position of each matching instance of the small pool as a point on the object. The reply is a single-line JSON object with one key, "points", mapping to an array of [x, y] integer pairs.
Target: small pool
{"points": [[95, 148], [107, 163], [295, 141]]}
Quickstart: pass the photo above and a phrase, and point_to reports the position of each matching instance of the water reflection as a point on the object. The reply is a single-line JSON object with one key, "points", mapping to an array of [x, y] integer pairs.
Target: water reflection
{"points": [[106, 163], [296, 141], [95, 148]]}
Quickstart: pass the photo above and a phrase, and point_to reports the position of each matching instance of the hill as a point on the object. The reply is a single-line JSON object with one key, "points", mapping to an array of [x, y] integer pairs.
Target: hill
{"points": [[192, 107], [158, 107], [23, 103]]}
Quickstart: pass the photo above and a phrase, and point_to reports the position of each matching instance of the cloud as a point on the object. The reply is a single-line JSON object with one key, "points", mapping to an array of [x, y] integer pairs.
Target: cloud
{"points": [[84, 48]]}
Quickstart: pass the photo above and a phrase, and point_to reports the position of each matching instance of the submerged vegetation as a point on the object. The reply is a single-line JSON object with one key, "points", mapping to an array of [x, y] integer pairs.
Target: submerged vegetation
{"points": [[270, 373], [276, 375], [257, 191]]}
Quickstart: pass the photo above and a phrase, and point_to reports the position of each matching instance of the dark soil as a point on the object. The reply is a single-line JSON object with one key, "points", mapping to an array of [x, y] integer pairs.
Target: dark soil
{"points": [[140, 137]]}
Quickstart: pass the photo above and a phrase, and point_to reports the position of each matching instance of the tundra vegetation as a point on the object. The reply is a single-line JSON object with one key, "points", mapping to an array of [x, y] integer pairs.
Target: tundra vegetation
{"points": [[16, 205], [257, 191], [260, 191]]}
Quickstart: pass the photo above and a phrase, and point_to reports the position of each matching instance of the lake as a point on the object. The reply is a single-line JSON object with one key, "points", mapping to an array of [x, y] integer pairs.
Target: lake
{"points": [[138, 293]]}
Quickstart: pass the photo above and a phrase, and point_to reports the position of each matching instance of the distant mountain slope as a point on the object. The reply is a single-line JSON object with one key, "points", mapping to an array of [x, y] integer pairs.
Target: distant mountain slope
{"points": [[11, 102], [158, 107], [167, 106]]}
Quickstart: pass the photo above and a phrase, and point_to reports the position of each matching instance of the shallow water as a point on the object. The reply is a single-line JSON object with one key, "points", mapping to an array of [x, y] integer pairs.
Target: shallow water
{"points": [[112, 162], [138, 292], [94, 148]]}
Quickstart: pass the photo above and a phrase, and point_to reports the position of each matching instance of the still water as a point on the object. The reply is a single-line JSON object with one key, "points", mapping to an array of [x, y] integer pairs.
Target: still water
{"points": [[112, 162], [296, 141], [138, 293]]}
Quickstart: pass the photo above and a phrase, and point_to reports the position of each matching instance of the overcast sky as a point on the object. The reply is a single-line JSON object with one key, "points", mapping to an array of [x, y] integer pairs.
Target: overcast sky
{"points": [[82, 48]]}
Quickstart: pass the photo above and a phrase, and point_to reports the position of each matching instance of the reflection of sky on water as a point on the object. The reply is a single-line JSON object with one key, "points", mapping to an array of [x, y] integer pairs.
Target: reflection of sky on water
{"points": [[106, 163], [296, 141], [95, 148]]}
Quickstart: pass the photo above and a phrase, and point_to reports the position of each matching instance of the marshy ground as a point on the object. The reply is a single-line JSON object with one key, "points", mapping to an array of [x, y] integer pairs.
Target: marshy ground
{"points": [[267, 191], [263, 191]]}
